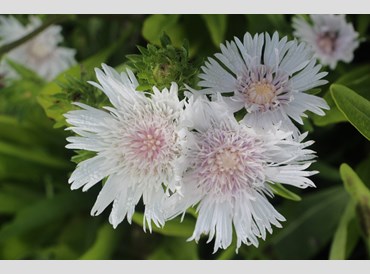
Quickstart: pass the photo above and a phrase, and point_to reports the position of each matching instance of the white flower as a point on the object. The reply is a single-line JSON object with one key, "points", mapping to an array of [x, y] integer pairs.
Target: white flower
{"points": [[330, 36], [138, 143], [266, 76], [230, 169], [41, 53]]}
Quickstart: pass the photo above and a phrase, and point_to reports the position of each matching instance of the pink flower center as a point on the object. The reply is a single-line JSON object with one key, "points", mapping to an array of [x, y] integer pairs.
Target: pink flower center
{"points": [[327, 42], [227, 161], [148, 143]]}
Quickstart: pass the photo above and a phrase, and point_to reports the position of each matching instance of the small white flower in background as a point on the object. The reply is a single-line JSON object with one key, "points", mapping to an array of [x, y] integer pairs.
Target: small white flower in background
{"points": [[330, 36], [41, 53], [266, 76], [230, 168], [138, 143]]}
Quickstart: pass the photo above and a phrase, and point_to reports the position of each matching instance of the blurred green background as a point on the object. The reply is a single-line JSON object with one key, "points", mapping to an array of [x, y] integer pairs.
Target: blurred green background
{"points": [[41, 218]]}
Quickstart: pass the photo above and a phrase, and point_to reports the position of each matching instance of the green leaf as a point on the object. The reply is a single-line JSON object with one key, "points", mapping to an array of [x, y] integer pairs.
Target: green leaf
{"points": [[354, 107], [57, 252], [14, 197], [332, 116], [313, 91], [363, 171], [280, 190], [19, 133], [157, 24], [47, 95], [173, 227], [326, 171], [354, 75], [15, 249], [104, 246], [267, 23], [31, 172], [310, 224], [228, 253], [43, 212], [279, 21], [175, 249], [25, 73], [358, 80], [33, 155], [216, 24], [363, 21], [346, 235], [360, 194]]}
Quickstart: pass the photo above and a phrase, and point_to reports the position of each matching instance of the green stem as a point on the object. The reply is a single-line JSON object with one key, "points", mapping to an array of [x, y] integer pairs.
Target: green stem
{"points": [[48, 22]]}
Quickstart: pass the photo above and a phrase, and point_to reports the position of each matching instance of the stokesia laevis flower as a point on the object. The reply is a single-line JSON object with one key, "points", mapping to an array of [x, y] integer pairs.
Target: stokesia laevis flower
{"points": [[267, 76], [138, 143], [230, 170], [330, 36], [41, 53]]}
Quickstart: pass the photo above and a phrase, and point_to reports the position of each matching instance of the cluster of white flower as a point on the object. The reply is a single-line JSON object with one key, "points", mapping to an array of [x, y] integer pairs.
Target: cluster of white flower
{"points": [[40, 54], [175, 154]]}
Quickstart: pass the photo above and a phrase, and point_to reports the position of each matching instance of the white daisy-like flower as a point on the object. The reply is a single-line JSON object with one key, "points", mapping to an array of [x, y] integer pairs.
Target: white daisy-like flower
{"points": [[230, 169], [41, 53], [330, 36], [138, 143], [267, 76]]}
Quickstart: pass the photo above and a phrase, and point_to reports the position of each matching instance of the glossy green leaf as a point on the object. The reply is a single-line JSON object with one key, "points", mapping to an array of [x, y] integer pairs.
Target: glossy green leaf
{"points": [[216, 24], [104, 246], [171, 228], [354, 107], [354, 76], [282, 191], [360, 195], [357, 79], [346, 235]]}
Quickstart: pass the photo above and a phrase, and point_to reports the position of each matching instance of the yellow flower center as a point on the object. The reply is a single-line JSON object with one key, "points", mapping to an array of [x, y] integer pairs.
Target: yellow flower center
{"points": [[227, 160], [260, 93]]}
